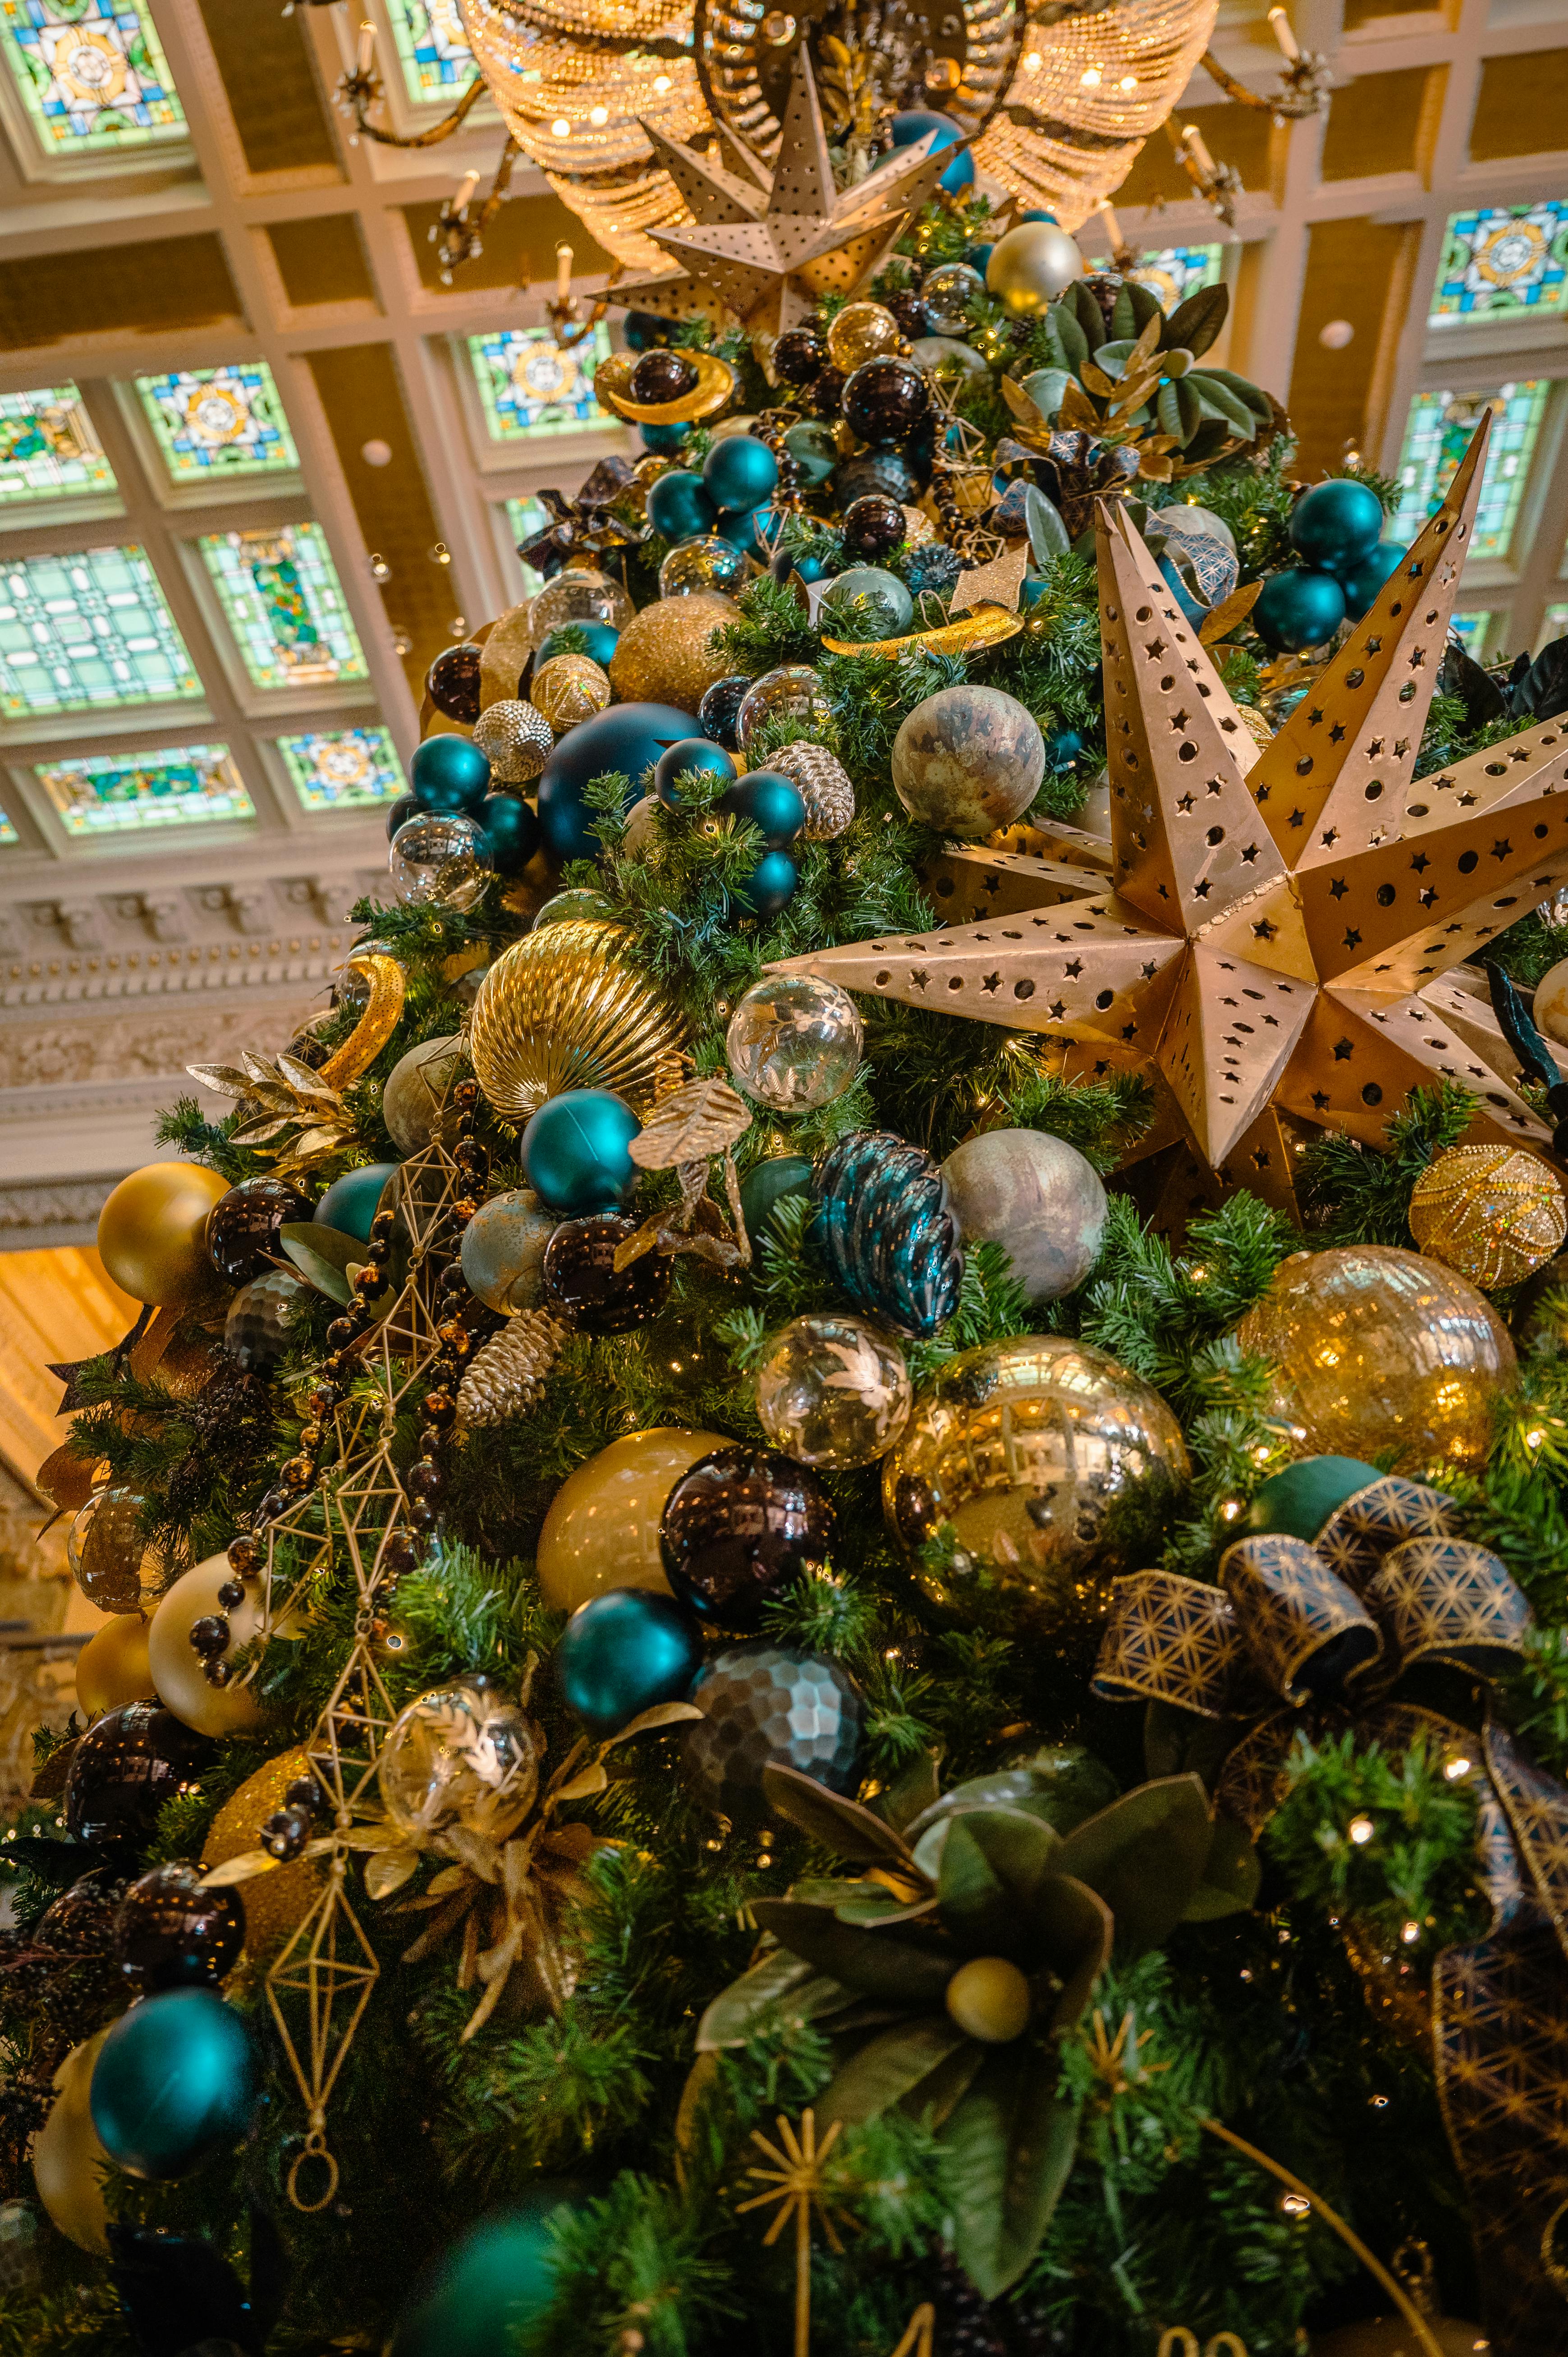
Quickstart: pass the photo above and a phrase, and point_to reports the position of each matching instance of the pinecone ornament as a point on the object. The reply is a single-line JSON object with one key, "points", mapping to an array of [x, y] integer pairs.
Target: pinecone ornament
{"points": [[823, 782], [508, 1375]]}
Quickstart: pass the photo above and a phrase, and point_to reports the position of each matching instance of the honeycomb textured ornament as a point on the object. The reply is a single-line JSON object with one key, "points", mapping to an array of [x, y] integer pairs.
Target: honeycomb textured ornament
{"points": [[261, 1320], [762, 1702], [885, 1225], [1493, 1212], [822, 783], [562, 1009]]}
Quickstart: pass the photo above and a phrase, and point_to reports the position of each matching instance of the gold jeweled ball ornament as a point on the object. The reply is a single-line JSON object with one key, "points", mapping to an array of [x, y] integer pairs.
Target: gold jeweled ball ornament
{"points": [[564, 1008], [515, 739], [863, 331], [663, 654], [1374, 1351], [1053, 1467], [568, 689], [275, 1904], [152, 1232], [1493, 1212]]}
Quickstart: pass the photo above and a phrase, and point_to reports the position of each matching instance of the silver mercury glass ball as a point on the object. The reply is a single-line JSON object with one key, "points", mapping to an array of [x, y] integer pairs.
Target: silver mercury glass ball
{"points": [[577, 597], [1036, 1197], [794, 1042], [793, 692], [705, 565], [947, 292], [515, 739], [438, 856]]}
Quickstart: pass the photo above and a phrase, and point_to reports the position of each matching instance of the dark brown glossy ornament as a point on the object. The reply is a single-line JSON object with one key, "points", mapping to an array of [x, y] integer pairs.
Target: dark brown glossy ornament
{"points": [[581, 1281], [242, 1227], [80, 1921], [123, 1768], [800, 356], [873, 526], [738, 1528], [886, 399], [827, 391], [171, 1934], [663, 375], [452, 684], [912, 315]]}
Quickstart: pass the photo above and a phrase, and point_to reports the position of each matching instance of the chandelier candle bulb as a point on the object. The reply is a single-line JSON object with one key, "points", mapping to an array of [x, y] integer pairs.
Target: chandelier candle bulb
{"points": [[1107, 212], [1281, 26], [562, 273], [367, 57], [466, 187], [1192, 139]]}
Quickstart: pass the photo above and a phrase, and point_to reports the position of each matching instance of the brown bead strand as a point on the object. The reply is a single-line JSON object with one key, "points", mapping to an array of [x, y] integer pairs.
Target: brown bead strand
{"points": [[771, 427]]}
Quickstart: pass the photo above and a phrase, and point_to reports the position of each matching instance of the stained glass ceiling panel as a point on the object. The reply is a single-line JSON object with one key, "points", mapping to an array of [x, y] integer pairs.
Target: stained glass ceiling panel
{"points": [[91, 77], [47, 448], [529, 386], [115, 793], [433, 48], [219, 422], [342, 768], [284, 604], [90, 628], [1504, 258]]}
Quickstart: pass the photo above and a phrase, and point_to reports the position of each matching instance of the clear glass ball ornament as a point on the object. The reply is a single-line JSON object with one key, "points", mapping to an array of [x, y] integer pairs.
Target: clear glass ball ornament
{"points": [[863, 331], [705, 565], [575, 596], [793, 692], [438, 855], [947, 292], [834, 1391], [463, 1756], [105, 1549], [794, 1042]]}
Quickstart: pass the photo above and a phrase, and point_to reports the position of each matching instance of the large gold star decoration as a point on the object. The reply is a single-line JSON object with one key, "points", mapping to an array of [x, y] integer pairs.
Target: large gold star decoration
{"points": [[1273, 946], [768, 249]]}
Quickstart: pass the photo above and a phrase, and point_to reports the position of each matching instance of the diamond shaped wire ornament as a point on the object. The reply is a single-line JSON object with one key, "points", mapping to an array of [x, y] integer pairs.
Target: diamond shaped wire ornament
{"points": [[332, 1965]]}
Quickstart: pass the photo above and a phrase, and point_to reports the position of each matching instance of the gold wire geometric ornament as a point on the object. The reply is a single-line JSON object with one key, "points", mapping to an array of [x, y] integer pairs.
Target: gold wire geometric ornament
{"points": [[1281, 923], [795, 2183]]}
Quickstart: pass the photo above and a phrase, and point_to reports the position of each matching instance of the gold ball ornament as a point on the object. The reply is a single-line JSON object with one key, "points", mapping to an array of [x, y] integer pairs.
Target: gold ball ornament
{"points": [[564, 1008], [152, 1232], [416, 1103], [115, 1667], [277, 1903], [988, 1998], [863, 331], [515, 737], [68, 2158], [1391, 2336], [1031, 267], [1551, 1009], [569, 689], [179, 1675], [602, 1530], [1377, 1353], [1055, 1469], [1493, 1212], [663, 656]]}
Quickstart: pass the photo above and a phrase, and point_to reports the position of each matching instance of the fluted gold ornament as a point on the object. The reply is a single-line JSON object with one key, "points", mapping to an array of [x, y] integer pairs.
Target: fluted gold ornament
{"points": [[569, 688], [1375, 1352], [1053, 1466], [663, 654], [1493, 1212], [563, 1009]]}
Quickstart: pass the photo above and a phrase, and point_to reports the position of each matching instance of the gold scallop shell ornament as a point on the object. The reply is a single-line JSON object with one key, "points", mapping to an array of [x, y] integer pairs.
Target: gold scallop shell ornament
{"points": [[563, 1009]]}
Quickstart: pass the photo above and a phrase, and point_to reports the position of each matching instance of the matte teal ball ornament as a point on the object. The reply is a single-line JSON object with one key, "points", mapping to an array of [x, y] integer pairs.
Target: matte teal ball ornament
{"points": [[1363, 581], [679, 507], [1335, 525], [738, 473], [601, 642], [769, 802], [511, 832], [767, 1183], [175, 2078], [448, 773], [699, 753], [480, 2293], [622, 1652], [352, 1203], [1296, 611], [770, 887], [575, 1150]]}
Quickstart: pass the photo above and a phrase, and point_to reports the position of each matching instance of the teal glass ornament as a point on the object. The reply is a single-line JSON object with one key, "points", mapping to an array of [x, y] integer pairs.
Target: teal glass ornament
{"points": [[691, 753], [740, 528], [512, 833], [738, 473], [601, 642], [679, 507], [478, 2294], [400, 812], [770, 885], [1335, 525], [628, 737], [664, 440], [978, 256], [768, 803], [767, 1184], [812, 445], [175, 2078], [575, 1150], [913, 126], [1363, 581], [622, 1652], [352, 1203], [886, 1230], [888, 612], [448, 773], [1298, 609]]}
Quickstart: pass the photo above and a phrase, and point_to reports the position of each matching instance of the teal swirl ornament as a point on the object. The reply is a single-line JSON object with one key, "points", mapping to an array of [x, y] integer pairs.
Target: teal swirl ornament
{"points": [[884, 1226]]}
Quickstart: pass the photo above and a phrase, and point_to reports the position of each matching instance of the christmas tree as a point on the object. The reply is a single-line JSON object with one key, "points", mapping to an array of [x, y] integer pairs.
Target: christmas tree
{"points": [[835, 1538]]}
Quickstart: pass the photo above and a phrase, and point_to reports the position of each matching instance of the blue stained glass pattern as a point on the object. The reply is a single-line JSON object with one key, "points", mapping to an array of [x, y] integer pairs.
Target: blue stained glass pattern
{"points": [[1504, 258], [90, 76], [226, 421], [1171, 272], [524, 519], [432, 46], [90, 629], [112, 794], [47, 448], [283, 601], [528, 386], [7, 832], [346, 769], [1435, 438], [1470, 630]]}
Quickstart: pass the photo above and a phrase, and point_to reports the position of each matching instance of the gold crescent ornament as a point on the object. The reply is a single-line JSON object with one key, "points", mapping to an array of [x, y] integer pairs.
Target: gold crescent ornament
{"points": [[563, 1009], [375, 1027], [987, 627], [715, 384]]}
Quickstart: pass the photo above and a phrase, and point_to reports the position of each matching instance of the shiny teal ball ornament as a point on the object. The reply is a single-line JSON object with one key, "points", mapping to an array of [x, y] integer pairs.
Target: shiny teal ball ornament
{"points": [[738, 473], [1363, 581], [624, 1651], [740, 526], [575, 1150], [1298, 609], [768, 801], [480, 2294], [175, 2078], [628, 737], [679, 507], [888, 612], [765, 1186], [448, 773], [664, 440], [915, 122], [1336, 525], [600, 638], [812, 445], [770, 887], [511, 832], [352, 1203], [699, 753]]}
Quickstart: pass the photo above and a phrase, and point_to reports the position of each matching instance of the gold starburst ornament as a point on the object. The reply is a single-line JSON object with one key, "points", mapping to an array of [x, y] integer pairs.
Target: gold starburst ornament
{"points": [[1492, 1213]]}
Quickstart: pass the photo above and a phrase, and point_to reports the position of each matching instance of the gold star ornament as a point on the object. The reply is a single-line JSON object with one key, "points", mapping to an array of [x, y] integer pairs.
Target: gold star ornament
{"points": [[1279, 924]]}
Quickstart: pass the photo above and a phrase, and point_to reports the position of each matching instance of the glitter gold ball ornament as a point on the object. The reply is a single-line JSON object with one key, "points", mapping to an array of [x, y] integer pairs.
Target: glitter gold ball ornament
{"points": [[113, 1666], [152, 1232], [1056, 1469], [416, 1098], [602, 1530], [1031, 267], [69, 2157], [1493, 1212], [577, 597], [515, 739], [567, 689], [276, 1903], [565, 1009], [863, 331], [1375, 1352], [664, 654]]}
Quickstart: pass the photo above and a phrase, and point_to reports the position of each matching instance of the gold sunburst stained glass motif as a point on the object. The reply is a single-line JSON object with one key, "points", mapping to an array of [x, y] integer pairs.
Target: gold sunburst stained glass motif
{"points": [[1280, 925]]}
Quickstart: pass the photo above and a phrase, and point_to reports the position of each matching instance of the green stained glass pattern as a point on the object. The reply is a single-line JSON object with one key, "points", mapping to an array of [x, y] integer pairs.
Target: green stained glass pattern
{"points": [[219, 422], [345, 768], [283, 602], [87, 629], [1553, 625], [524, 518], [91, 76], [1504, 258], [1470, 630], [1171, 272], [529, 386], [1435, 439], [117, 793], [47, 448], [432, 47]]}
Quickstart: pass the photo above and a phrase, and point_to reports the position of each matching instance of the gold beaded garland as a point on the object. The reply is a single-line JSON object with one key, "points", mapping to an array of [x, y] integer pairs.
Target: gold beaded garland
{"points": [[1493, 1212]]}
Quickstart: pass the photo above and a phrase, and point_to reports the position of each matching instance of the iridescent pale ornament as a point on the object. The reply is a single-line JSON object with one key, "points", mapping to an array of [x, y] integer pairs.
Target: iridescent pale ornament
{"points": [[1031, 267], [708, 565], [863, 331], [794, 1042], [568, 689], [503, 1250], [463, 1758], [947, 292], [834, 1391], [793, 692], [575, 597], [438, 857]]}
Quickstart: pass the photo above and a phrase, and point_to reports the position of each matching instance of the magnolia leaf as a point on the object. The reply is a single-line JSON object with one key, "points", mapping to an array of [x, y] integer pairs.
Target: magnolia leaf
{"points": [[780, 1980], [663, 1714], [1047, 533], [842, 1826], [1073, 1935], [916, 1790], [450, 1879], [1251, 394], [1196, 323], [1150, 336], [1230, 611], [1231, 1877], [993, 1862], [1044, 387], [1084, 310], [888, 2070], [317, 1272], [880, 1965], [1096, 381], [1019, 402], [1010, 2146], [1134, 307], [1145, 1856], [1220, 402], [584, 1785], [389, 1871], [1076, 348], [691, 1124]]}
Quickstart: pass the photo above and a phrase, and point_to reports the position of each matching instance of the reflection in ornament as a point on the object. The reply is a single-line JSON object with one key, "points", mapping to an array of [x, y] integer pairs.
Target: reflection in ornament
{"points": [[575, 596], [438, 860], [833, 1390], [463, 1756], [793, 1044]]}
